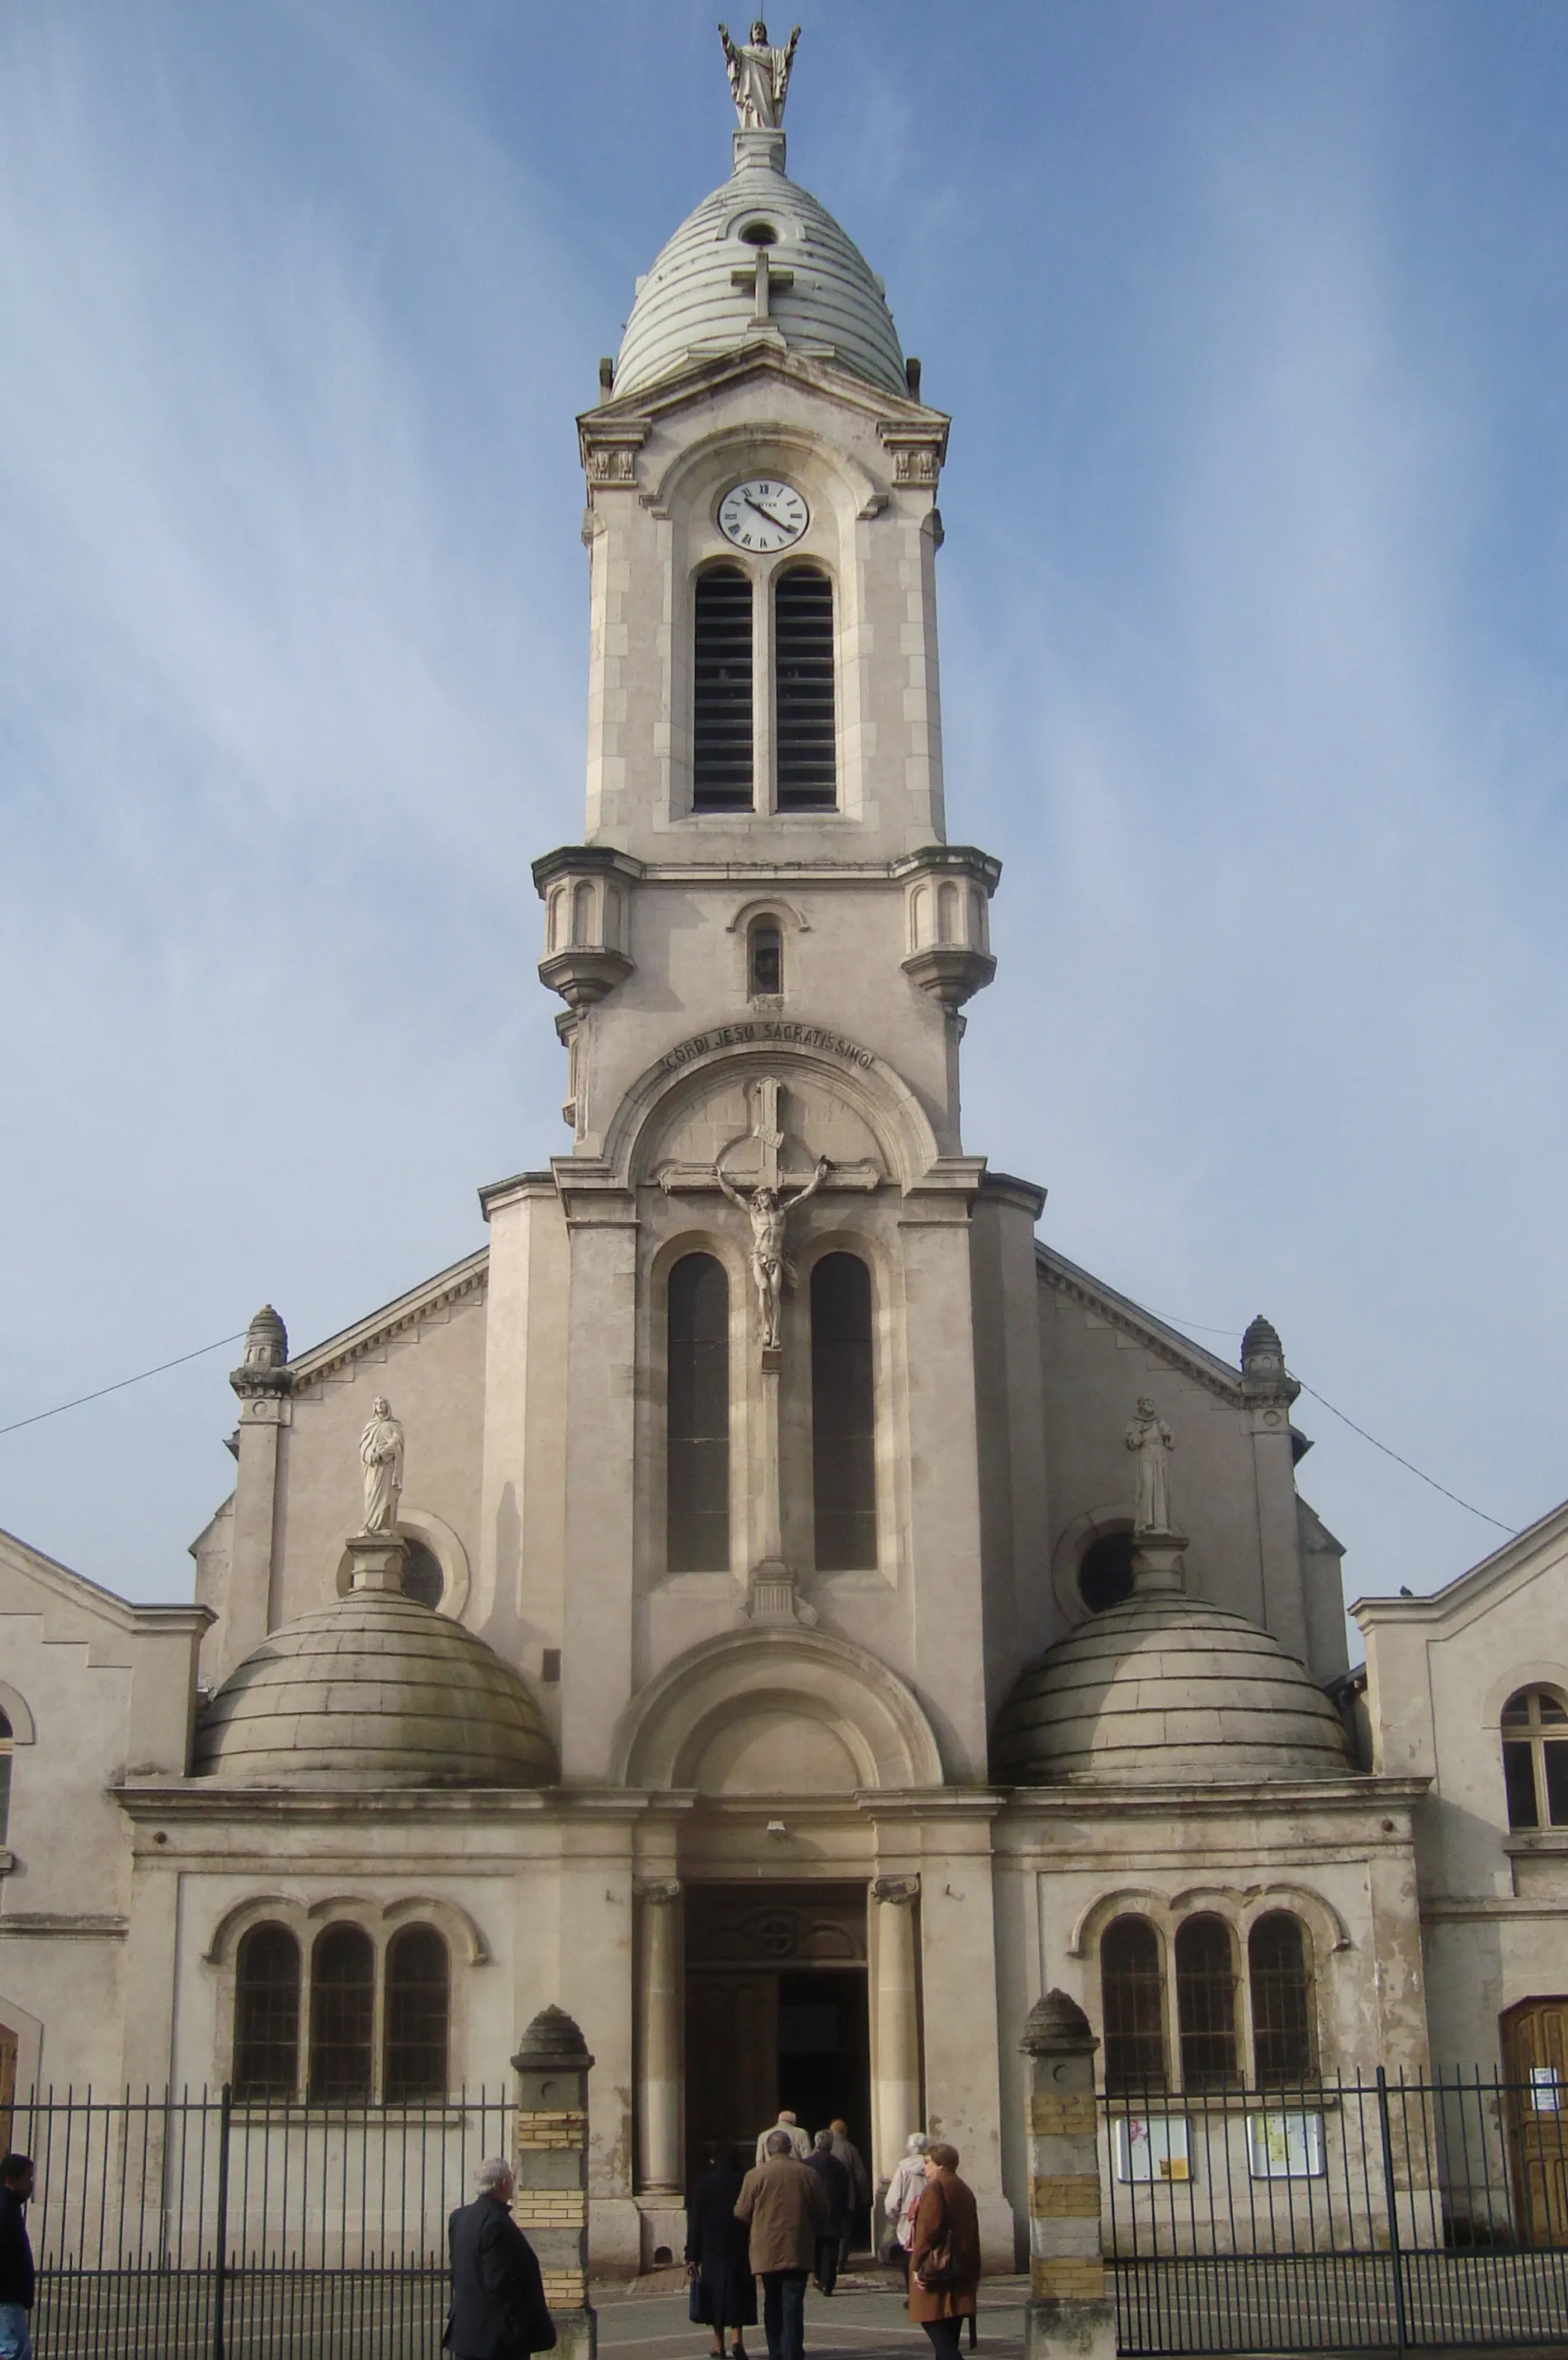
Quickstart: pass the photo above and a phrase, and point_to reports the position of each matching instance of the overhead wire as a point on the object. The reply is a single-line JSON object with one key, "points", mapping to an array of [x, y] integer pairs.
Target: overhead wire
{"points": [[119, 1386]]}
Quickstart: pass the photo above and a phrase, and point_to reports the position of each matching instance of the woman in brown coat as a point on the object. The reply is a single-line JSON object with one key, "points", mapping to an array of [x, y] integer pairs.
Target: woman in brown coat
{"points": [[944, 2261]]}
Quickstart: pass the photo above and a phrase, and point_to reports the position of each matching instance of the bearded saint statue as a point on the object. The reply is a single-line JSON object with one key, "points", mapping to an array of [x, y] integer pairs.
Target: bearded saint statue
{"points": [[381, 1456], [760, 77]]}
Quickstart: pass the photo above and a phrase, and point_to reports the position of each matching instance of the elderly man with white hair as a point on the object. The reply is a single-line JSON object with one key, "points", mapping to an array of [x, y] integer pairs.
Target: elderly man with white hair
{"points": [[902, 2201], [498, 2295]]}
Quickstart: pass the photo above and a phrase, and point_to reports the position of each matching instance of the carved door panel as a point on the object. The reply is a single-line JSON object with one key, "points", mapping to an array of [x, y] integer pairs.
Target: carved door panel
{"points": [[1535, 2061], [7, 2081], [731, 2058]]}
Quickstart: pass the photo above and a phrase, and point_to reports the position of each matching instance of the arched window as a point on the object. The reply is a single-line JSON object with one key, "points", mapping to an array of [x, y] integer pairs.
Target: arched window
{"points": [[765, 960], [1283, 2048], [1535, 1759], [582, 914], [806, 736], [7, 1746], [417, 1980], [697, 1455], [721, 694], [267, 2013], [1133, 2005], [1205, 2003], [342, 2013], [843, 1414]]}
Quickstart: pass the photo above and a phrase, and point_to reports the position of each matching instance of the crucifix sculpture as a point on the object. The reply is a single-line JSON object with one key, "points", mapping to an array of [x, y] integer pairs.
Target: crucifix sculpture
{"points": [[762, 279], [767, 1208]]}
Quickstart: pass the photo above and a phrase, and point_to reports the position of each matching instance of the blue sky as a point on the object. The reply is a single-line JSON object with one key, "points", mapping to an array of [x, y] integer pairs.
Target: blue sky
{"points": [[1252, 321]]}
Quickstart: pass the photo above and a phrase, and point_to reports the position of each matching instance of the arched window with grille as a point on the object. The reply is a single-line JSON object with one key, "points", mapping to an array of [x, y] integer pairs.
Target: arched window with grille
{"points": [[697, 1452], [805, 724], [342, 2013], [1283, 2047], [1132, 2004], [765, 959], [1205, 2003], [844, 1415], [267, 2013], [1535, 1759], [8, 1746], [417, 2001], [722, 760]]}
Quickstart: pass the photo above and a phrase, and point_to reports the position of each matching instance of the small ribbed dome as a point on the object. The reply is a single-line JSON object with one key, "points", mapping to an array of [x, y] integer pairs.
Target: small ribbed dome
{"points": [[375, 1690], [1166, 1689], [689, 305]]}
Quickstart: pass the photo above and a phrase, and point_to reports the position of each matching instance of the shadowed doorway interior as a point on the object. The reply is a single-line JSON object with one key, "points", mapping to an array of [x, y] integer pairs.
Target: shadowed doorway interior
{"points": [[775, 2011]]}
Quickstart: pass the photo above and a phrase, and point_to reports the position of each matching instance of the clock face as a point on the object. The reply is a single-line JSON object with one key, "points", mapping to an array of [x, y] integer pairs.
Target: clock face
{"points": [[763, 515]]}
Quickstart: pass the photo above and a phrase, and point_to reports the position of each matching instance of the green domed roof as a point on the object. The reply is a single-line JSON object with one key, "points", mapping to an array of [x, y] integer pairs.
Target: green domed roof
{"points": [[375, 1690], [1166, 1689]]}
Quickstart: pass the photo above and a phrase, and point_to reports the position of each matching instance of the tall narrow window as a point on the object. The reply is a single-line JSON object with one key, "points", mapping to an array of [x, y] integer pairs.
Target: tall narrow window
{"points": [[417, 1980], [1205, 2003], [720, 699], [765, 960], [844, 1415], [1535, 1759], [806, 739], [342, 2013], [6, 1741], [1282, 2044], [267, 2013], [1133, 2005], [698, 1452]]}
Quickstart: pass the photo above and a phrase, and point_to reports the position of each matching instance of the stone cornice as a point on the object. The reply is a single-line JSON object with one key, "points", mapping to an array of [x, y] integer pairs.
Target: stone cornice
{"points": [[192, 1802], [62, 1925], [1246, 1798], [1206, 1368], [634, 414], [449, 1287]]}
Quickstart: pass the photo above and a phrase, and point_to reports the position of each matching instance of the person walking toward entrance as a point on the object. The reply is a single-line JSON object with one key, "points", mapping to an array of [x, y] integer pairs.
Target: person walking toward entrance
{"points": [[498, 2295], [836, 2187], [723, 2292], [15, 2259], [849, 2154], [786, 2211], [904, 2191], [800, 2140], [944, 2258]]}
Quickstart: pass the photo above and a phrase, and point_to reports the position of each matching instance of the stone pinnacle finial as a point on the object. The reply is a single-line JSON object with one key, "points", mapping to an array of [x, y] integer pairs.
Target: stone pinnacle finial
{"points": [[1264, 1376], [265, 1367]]}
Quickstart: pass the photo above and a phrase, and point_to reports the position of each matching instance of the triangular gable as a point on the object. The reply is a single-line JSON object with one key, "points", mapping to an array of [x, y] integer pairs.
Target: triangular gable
{"points": [[57, 1585], [1519, 1562], [449, 1287], [1178, 1351]]}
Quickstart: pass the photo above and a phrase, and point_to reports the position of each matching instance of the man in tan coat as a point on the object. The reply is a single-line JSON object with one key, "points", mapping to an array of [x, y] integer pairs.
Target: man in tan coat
{"points": [[786, 2210]]}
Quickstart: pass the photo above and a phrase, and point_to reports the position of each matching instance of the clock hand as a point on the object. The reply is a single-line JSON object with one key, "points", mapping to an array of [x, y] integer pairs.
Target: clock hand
{"points": [[761, 510]]}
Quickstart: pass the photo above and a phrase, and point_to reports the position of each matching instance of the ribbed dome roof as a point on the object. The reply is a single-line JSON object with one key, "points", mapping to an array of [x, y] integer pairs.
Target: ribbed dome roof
{"points": [[1166, 1689], [689, 305], [375, 1690]]}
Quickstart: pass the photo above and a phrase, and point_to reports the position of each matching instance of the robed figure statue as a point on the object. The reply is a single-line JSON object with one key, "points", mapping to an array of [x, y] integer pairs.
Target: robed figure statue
{"points": [[381, 1456], [760, 77]]}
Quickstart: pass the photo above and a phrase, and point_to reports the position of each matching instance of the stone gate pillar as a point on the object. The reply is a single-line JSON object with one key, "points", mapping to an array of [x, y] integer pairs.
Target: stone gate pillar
{"points": [[550, 2201], [1068, 2310]]}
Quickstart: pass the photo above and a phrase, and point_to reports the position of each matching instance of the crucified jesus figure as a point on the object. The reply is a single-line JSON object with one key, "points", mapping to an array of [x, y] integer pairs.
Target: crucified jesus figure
{"points": [[768, 1211]]}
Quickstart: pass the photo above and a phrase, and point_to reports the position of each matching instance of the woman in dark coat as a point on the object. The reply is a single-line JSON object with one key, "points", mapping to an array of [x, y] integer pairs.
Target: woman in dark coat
{"points": [[723, 2292], [946, 2226]]}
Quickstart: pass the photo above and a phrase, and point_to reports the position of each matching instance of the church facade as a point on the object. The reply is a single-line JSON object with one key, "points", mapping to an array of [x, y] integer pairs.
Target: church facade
{"points": [[768, 1601]]}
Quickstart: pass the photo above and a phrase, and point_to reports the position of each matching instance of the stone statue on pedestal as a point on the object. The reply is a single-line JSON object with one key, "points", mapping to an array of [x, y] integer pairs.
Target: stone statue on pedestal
{"points": [[1154, 1441], [760, 77], [381, 1456], [768, 1212]]}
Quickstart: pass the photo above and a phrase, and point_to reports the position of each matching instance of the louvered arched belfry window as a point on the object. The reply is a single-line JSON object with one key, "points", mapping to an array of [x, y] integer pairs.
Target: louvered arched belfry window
{"points": [[805, 743], [843, 1414], [697, 1443], [722, 761]]}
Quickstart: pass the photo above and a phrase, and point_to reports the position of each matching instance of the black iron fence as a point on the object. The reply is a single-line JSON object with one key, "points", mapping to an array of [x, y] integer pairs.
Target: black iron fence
{"points": [[194, 2227], [1339, 2213]]}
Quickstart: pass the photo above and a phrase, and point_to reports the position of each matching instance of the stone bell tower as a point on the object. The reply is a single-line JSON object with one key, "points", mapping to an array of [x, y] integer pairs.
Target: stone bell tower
{"points": [[752, 1279]]}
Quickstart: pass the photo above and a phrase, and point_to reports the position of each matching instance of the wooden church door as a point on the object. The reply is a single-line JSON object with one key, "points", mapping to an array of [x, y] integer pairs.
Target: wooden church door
{"points": [[1535, 2061]]}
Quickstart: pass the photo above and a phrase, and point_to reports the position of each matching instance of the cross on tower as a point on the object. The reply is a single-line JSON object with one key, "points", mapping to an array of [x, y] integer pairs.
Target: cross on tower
{"points": [[763, 278], [767, 1129]]}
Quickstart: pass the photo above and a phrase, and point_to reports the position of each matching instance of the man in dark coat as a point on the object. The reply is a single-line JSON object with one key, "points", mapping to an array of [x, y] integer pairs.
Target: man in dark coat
{"points": [[837, 2189], [724, 2290], [15, 2260], [498, 2296]]}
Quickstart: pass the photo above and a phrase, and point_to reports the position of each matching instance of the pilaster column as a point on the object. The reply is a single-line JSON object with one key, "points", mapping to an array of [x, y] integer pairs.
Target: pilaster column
{"points": [[1269, 1389], [550, 2203], [264, 1383], [896, 2045], [1068, 2310], [659, 2040]]}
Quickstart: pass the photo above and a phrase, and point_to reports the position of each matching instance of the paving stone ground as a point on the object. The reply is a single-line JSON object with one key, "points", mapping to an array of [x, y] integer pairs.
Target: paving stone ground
{"points": [[865, 2320]]}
